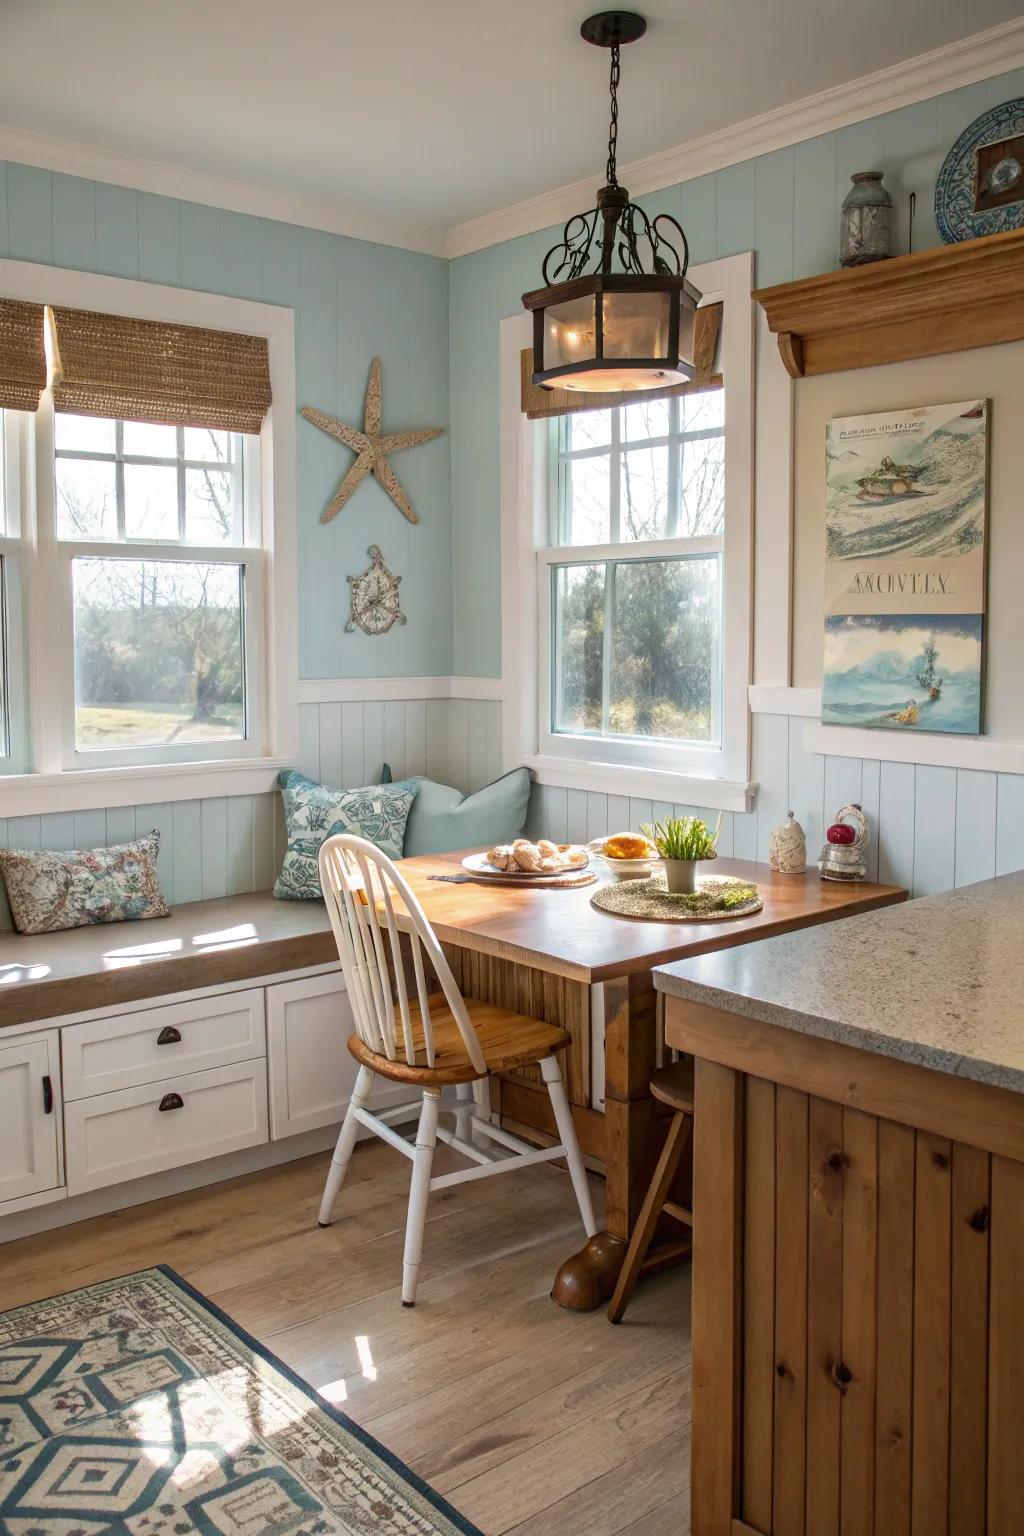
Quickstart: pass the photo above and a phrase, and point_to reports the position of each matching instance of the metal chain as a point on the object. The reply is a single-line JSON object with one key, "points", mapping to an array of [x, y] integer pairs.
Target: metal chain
{"points": [[613, 127]]}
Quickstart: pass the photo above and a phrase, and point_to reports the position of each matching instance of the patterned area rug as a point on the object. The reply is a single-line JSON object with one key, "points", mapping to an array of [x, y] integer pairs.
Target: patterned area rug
{"points": [[137, 1406]]}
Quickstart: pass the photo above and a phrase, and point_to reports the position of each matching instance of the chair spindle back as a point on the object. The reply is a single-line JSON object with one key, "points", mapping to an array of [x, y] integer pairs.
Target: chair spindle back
{"points": [[360, 884]]}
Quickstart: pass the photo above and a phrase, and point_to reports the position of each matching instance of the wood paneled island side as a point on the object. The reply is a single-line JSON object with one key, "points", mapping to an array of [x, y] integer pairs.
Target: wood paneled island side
{"points": [[858, 1287]]}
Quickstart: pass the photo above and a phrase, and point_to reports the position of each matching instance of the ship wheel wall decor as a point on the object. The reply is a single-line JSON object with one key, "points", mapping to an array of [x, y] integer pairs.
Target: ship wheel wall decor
{"points": [[371, 447], [375, 597]]}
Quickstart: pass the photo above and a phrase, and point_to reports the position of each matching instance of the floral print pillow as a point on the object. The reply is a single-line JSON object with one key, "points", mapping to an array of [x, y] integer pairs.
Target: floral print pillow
{"points": [[313, 813], [51, 891]]}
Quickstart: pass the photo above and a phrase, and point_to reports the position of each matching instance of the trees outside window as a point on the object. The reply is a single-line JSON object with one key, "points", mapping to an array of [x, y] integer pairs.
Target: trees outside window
{"points": [[159, 618], [635, 570]]}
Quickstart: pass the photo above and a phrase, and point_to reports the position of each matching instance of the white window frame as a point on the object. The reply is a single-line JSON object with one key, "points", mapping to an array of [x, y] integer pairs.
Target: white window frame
{"points": [[718, 776], [12, 659], [61, 777]]}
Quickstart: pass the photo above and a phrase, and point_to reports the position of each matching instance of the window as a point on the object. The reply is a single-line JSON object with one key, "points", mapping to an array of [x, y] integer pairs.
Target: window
{"points": [[156, 566], [153, 524], [627, 622], [148, 621], [12, 424], [634, 575]]}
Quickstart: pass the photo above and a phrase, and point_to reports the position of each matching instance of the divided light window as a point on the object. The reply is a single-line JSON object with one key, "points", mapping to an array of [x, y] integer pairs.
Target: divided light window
{"points": [[631, 594], [8, 534], [156, 528]]}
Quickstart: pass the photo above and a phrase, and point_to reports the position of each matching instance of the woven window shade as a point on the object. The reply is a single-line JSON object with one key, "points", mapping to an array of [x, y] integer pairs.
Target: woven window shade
{"points": [[145, 370], [538, 402], [22, 355]]}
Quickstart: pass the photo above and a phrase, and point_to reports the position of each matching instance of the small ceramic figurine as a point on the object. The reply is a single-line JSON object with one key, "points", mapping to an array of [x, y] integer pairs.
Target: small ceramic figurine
{"points": [[842, 857], [787, 847]]}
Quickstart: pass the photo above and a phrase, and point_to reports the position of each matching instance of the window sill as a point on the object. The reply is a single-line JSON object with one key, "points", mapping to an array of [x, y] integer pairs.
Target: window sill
{"points": [[90, 789], [643, 783]]}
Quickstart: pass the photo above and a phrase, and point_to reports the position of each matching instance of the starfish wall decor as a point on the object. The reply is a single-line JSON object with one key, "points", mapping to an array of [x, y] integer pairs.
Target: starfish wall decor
{"points": [[372, 447]]}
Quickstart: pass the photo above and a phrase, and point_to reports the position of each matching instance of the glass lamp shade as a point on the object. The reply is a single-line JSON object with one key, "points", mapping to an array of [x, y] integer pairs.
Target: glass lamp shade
{"points": [[613, 333]]}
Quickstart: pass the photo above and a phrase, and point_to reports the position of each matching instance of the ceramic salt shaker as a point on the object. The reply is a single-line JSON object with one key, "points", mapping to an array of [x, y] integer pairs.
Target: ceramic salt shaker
{"points": [[787, 847]]}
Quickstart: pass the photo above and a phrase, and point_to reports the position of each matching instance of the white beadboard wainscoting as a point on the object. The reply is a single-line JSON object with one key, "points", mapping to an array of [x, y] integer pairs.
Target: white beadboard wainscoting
{"points": [[228, 845], [222, 846], [453, 740], [931, 828]]}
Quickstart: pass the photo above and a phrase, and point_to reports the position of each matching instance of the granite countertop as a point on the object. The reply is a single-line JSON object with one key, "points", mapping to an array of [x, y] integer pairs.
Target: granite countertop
{"points": [[938, 981]]}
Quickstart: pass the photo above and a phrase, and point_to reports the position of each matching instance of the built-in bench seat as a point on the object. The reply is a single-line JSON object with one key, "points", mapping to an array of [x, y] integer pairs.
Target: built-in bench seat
{"points": [[139, 1059], [202, 944]]}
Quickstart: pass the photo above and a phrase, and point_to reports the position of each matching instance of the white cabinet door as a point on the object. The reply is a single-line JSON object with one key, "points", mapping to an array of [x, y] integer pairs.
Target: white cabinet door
{"points": [[29, 1115], [311, 1072]]}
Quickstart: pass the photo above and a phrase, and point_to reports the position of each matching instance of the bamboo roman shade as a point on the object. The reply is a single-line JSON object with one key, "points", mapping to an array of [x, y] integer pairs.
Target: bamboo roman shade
{"points": [[538, 402], [22, 355], [146, 370]]}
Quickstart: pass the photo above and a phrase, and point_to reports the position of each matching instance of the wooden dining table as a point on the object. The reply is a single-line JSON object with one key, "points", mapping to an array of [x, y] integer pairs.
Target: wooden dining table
{"points": [[551, 954]]}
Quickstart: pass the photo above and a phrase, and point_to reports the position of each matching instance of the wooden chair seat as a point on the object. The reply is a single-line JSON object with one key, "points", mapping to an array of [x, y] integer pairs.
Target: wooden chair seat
{"points": [[673, 1085], [507, 1040]]}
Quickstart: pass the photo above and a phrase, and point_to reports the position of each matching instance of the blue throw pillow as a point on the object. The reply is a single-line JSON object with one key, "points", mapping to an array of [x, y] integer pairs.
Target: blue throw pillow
{"points": [[313, 813], [443, 819]]}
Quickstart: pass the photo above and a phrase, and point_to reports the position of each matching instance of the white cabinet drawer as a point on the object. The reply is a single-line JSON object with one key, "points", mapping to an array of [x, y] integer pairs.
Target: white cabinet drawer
{"points": [[157, 1043], [125, 1135], [311, 1073]]}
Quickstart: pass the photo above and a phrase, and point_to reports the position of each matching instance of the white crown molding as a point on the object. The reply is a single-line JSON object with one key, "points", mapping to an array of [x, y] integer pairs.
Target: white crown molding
{"points": [[993, 52], [387, 690], [49, 153]]}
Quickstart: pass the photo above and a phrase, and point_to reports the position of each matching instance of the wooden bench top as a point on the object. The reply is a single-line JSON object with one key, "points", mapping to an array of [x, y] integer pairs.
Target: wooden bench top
{"points": [[202, 944]]}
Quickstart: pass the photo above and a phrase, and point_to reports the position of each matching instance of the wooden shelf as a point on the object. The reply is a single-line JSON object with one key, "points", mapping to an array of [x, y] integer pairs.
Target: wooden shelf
{"points": [[942, 300]]}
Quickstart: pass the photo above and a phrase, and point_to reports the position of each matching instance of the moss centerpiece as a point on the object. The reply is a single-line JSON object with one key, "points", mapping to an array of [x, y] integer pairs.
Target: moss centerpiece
{"points": [[682, 842]]}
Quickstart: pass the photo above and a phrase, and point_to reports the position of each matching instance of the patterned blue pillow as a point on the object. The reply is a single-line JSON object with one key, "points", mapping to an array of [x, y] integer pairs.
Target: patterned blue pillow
{"points": [[313, 813]]}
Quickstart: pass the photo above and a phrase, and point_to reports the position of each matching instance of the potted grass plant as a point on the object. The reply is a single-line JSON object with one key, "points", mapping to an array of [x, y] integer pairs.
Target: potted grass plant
{"points": [[682, 841]]}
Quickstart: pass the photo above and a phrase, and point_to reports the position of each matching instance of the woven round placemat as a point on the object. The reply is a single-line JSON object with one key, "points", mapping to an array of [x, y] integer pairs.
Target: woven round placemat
{"points": [[651, 899]]}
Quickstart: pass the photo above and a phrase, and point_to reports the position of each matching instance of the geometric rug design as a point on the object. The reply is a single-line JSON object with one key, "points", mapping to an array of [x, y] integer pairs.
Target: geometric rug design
{"points": [[136, 1406]]}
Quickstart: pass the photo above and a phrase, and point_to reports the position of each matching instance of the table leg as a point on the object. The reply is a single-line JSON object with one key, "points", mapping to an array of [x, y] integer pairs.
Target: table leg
{"points": [[587, 1280]]}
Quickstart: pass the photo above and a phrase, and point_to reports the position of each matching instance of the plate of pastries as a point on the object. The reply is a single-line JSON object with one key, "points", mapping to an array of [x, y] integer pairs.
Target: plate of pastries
{"points": [[527, 860], [628, 855]]}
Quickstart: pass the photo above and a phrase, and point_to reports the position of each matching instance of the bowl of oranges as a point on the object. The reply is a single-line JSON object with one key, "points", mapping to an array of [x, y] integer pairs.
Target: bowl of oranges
{"points": [[627, 855]]}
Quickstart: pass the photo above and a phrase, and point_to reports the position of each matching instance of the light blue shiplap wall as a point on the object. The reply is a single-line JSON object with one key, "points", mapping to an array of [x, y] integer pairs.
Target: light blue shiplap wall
{"points": [[932, 828], [454, 741], [226, 846], [352, 300], [215, 847], [784, 206]]}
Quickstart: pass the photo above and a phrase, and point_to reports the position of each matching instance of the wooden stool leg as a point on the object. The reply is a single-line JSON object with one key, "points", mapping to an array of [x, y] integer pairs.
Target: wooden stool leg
{"points": [[657, 1194]]}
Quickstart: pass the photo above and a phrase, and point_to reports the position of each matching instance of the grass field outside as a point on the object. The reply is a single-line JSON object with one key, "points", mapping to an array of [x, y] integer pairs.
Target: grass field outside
{"points": [[142, 725]]}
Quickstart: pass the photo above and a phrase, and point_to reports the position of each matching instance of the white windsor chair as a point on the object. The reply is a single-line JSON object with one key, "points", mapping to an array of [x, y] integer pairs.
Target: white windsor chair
{"points": [[429, 1042]]}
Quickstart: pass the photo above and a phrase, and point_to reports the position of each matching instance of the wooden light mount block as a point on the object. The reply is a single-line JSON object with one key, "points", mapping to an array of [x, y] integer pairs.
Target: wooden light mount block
{"points": [[943, 300]]}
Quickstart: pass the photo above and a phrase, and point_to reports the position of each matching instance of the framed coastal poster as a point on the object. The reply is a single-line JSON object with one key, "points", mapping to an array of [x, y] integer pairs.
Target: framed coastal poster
{"points": [[905, 569]]}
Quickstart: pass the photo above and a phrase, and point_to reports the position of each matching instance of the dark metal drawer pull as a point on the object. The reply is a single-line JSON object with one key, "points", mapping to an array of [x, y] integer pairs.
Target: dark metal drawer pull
{"points": [[47, 1096], [169, 1036], [172, 1101]]}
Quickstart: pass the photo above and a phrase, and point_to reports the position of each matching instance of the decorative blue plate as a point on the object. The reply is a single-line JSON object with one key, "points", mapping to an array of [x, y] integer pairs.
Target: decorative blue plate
{"points": [[955, 188]]}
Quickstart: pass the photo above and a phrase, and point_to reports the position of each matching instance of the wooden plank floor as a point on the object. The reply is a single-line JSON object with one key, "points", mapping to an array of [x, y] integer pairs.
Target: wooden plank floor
{"points": [[531, 1420]]}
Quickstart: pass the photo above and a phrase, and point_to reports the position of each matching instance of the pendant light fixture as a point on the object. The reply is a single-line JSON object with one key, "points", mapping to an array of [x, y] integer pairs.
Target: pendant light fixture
{"points": [[628, 323]]}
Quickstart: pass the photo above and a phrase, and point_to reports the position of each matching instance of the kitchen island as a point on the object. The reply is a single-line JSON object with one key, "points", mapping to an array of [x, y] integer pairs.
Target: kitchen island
{"points": [[858, 1287]]}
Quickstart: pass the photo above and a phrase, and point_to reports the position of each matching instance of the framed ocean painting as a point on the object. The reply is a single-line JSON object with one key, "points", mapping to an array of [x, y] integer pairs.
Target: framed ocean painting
{"points": [[905, 530]]}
